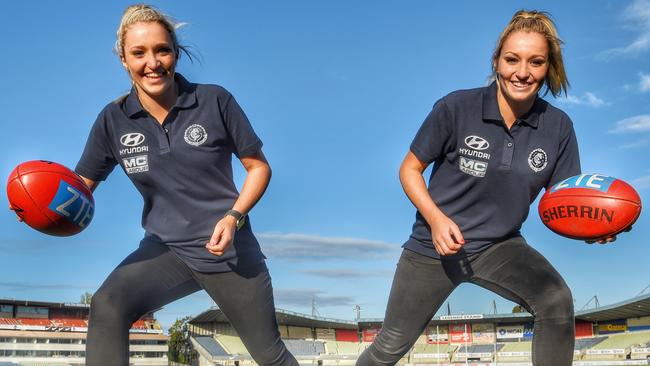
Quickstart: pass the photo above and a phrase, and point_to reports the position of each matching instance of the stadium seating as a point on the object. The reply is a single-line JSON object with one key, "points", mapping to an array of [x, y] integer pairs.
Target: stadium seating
{"points": [[515, 352], [616, 346], [212, 346], [343, 348], [139, 324], [421, 350], [36, 322], [232, 344], [69, 322], [586, 343], [624, 340], [481, 348], [9, 321], [299, 347]]}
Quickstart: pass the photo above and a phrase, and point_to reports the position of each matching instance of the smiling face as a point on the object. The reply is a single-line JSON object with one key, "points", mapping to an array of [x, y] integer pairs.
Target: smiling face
{"points": [[521, 67], [150, 59]]}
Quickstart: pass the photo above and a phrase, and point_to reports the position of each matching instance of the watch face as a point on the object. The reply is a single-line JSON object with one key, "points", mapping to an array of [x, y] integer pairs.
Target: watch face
{"points": [[241, 222]]}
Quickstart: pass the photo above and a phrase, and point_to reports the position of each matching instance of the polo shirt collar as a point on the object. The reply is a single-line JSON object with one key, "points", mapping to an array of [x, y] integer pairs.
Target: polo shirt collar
{"points": [[491, 107], [186, 97]]}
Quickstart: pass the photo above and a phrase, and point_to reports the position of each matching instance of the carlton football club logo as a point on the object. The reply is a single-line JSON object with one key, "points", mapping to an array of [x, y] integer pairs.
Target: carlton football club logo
{"points": [[476, 142], [195, 135], [537, 160]]}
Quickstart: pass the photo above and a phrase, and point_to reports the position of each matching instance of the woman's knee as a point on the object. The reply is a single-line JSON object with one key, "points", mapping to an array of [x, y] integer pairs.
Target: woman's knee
{"points": [[556, 303], [275, 355], [109, 304], [390, 346]]}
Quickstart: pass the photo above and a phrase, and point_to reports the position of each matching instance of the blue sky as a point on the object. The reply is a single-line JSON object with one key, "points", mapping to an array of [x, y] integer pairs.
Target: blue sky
{"points": [[336, 90]]}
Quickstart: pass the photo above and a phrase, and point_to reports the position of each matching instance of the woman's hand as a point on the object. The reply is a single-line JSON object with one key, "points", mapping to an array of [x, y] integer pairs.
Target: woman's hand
{"points": [[609, 239], [17, 211], [223, 235], [445, 234], [257, 179]]}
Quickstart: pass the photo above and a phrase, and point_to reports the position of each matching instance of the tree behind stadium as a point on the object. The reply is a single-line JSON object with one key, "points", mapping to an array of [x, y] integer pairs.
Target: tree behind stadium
{"points": [[179, 347]]}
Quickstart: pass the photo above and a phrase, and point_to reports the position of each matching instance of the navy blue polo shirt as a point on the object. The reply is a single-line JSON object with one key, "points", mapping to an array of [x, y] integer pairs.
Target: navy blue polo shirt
{"points": [[485, 176], [182, 168]]}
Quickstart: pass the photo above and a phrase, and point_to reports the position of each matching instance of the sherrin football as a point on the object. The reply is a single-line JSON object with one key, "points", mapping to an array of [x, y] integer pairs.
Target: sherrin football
{"points": [[589, 207], [50, 198]]}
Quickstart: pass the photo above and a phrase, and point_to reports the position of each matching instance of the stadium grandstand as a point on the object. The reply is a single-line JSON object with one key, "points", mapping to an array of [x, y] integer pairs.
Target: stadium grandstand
{"points": [[54, 334], [617, 334]]}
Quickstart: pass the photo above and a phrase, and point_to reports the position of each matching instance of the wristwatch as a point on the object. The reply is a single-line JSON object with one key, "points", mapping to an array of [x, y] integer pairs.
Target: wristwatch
{"points": [[240, 217]]}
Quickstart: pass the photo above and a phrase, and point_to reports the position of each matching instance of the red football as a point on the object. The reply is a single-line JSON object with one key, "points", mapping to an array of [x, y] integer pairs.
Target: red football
{"points": [[589, 207], [50, 198]]}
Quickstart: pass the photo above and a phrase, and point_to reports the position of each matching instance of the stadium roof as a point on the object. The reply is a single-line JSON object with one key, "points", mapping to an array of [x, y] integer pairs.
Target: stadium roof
{"points": [[633, 308], [636, 307], [284, 317], [42, 303], [463, 318]]}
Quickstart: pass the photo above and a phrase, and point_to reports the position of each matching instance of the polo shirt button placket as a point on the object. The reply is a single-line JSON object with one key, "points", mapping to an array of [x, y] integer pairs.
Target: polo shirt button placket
{"points": [[508, 152]]}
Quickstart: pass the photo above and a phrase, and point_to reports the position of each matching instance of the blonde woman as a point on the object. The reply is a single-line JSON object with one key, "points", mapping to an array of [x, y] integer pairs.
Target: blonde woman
{"points": [[493, 149], [175, 139]]}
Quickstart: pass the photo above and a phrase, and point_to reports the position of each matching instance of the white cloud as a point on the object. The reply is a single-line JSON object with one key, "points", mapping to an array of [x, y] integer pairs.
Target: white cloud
{"points": [[587, 99], [644, 83], [308, 247], [641, 182], [345, 273], [24, 286], [303, 297], [637, 17], [634, 124], [639, 143]]}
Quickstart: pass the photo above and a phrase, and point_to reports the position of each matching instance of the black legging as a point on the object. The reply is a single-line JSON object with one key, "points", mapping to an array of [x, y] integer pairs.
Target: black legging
{"points": [[510, 268], [152, 276]]}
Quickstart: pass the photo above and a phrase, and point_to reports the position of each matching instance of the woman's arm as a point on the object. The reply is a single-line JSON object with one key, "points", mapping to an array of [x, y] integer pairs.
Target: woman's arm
{"points": [[445, 234], [257, 179], [92, 185]]}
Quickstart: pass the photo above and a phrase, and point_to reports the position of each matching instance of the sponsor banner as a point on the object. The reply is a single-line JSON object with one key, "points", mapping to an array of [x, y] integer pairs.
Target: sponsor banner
{"points": [[638, 328], [369, 335], [67, 329], [462, 317], [639, 322], [438, 356], [618, 351], [460, 333], [487, 363], [510, 331], [609, 363], [514, 354], [483, 333], [473, 355], [146, 331], [528, 331], [641, 350], [576, 352], [615, 326], [438, 334], [30, 327]]}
